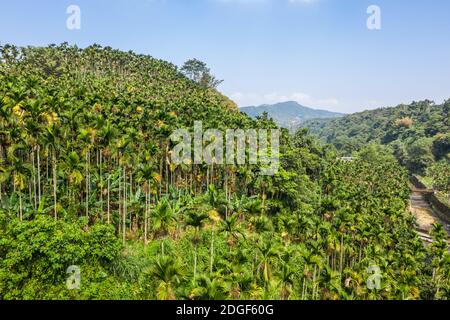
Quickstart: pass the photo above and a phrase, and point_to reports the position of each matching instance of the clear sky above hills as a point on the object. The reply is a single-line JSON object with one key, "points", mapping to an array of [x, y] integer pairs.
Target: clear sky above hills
{"points": [[317, 52]]}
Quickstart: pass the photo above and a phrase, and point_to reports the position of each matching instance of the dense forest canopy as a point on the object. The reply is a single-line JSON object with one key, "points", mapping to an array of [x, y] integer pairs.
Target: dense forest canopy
{"points": [[419, 133], [86, 180]]}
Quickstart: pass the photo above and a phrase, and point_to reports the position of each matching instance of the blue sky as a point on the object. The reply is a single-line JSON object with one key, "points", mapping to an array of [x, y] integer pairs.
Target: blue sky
{"points": [[317, 52]]}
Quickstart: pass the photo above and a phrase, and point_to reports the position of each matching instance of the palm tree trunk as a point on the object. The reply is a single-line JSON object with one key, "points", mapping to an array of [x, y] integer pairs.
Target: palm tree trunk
{"points": [[30, 194], [263, 199], [87, 183], [146, 217], [211, 258], [161, 177], [314, 282], [167, 177], [318, 283], [39, 173], [101, 184], [195, 263], [226, 184], [47, 164], [304, 288], [119, 201], [34, 179], [54, 184], [124, 215], [212, 172], [20, 206], [108, 200], [1, 161], [192, 178], [360, 252], [131, 196], [342, 255]]}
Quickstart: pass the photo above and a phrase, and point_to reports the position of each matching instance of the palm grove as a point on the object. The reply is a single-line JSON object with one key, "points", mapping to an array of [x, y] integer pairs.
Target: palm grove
{"points": [[418, 135], [86, 180]]}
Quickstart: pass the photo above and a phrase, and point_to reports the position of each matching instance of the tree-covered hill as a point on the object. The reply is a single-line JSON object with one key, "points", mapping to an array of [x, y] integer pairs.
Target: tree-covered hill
{"points": [[84, 134], [289, 114], [87, 184], [419, 133]]}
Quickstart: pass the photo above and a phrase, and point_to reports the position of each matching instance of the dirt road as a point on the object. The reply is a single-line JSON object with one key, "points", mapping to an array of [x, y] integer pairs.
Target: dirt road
{"points": [[424, 213]]}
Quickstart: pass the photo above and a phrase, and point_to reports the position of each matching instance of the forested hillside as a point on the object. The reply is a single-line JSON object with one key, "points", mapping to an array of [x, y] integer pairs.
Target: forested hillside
{"points": [[419, 133], [289, 114], [87, 181]]}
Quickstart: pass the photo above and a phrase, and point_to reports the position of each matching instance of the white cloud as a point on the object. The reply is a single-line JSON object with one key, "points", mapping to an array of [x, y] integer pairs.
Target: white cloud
{"points": [[254, 99]]}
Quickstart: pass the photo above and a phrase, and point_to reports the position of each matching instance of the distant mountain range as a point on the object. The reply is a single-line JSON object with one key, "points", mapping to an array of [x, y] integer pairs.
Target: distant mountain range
{"points": [[289, 114]]}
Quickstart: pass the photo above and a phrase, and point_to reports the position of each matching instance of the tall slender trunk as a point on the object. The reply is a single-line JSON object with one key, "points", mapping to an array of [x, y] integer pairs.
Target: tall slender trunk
{"points": [[30, 194], [167, 173], [54, 184], [47, 165], [226, 183], [131, 199], [212, 172], [146, 217], [304, 287], [108, 200], [124, 215], [226, 193], [211, 258], [160, 176], [1, 161], [195, 262], [119, 199], [101, 184], [192, 179], [39, 173], [20, 206], [87, 183], [314, 282], [263, 199], [342, 255], [34, 179]]}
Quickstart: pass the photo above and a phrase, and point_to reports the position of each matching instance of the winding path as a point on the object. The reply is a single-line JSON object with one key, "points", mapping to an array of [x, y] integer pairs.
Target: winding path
{"points": [[424, 213]]}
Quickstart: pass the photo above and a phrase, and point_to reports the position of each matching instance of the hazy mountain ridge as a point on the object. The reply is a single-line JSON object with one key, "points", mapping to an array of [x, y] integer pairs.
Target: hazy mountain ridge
{"points": [[289, 114]]}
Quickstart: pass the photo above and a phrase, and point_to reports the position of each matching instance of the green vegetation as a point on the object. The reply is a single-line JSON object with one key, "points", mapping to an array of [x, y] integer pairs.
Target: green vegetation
{"points": [[439, 173], [198, 71], [419, 133], [86, 180]]}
